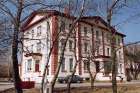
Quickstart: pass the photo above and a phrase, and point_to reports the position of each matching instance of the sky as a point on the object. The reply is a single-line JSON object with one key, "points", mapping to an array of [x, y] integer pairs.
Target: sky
{"points": [[131, 29], [129, 20], [132, 32], [129, 23]]}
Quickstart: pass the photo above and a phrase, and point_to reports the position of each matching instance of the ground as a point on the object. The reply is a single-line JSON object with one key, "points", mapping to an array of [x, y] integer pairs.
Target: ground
{"points": [[121, 89]]}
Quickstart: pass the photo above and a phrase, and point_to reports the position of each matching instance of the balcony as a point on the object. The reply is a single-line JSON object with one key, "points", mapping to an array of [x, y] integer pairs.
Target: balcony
{"points": [[34, 55]]}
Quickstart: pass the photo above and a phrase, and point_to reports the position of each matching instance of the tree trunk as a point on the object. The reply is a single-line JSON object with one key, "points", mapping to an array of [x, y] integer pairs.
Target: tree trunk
{"points": [[17, 80], [70, 79], [113, 51], [90, 73], [114, 81]]}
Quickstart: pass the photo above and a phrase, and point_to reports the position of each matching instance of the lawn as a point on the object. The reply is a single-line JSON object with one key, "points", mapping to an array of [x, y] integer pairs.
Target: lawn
{"points": [[122, 89]]}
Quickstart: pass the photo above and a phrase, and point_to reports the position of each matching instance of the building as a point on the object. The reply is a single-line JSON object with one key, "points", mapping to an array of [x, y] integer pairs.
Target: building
{"points": [[90, 36]]}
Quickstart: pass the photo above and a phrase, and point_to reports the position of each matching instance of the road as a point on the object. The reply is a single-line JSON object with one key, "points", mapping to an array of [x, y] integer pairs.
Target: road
{"points": [[7, 85], [58, 85]]}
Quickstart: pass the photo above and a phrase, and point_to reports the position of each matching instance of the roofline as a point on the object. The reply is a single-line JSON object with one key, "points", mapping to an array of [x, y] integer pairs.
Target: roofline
{"points": [[55, 12], [104, 22], [50, 13]]}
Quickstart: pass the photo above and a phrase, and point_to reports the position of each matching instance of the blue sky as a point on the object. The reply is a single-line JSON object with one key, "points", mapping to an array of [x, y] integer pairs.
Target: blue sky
{"points": [[131, 29], [132, 32]]}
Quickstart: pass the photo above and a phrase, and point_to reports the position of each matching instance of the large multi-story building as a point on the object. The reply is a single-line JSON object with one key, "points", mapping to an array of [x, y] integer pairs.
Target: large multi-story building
{"points": [[89, 39]]}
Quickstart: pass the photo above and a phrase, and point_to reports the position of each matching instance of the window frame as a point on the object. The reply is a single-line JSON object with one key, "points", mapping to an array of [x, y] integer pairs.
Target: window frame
{"points": [[85, 65], [29, 65], [85, 47], [70, 45], [39, 28], [71, 64], [37, 65], [38, 47], [63, 67], [85, 31]]}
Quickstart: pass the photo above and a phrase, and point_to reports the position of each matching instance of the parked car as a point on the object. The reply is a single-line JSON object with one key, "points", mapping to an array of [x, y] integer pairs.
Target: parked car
{"points": [[75, 79]]}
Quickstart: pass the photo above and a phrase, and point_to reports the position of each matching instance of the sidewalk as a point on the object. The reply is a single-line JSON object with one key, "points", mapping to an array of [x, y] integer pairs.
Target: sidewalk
{"points": [[100, 84], [6, 85]]}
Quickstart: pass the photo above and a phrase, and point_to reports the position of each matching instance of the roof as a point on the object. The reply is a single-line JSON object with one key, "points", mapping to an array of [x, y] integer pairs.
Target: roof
{"points": [[49, 13], [104, 22]]}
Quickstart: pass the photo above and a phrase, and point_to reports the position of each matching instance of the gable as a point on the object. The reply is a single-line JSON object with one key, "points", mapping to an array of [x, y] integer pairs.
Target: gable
{"points": [[35, 19], [98, 21]]}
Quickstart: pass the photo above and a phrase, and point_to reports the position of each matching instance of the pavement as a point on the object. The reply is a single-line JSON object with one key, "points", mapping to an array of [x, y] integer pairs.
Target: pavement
{"points": [[8, 85], [109, 84]]}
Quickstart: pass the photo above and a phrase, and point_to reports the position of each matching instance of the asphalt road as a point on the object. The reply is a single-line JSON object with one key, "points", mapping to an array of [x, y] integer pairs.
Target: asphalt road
{"points": [[58, 85], [7, 85]]}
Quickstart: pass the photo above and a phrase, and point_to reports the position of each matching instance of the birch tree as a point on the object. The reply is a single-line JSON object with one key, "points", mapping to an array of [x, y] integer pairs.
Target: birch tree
{"points": [[17, 11]]}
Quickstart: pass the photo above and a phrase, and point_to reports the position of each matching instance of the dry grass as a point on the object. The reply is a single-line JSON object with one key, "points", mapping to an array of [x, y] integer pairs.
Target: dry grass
{"points": [[124, 89], [3, 70], [34, 90]]}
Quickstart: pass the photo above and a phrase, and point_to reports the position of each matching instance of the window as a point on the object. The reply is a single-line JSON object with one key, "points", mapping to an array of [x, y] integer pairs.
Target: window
{"points": [[98, 41], [63, 65], [39, 47], [70, 26], [29, 65], [85, 65], [108, 52], [32, 32], [85, 47], [92, 30], [48, 70], [98, 50], [97, 66], [121, 68], [48, 26], [107, 37], [119, 41], [62, 28], [37, 65], [107, 68], [39, 30], [120, 55], [85, 31], [97, 35], [62, 42], [70, 45], [71, 64]]}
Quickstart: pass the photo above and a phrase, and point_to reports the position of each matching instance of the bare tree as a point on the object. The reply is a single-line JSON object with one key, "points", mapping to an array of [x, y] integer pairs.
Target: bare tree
{"points": [[63, 51], [132, 54], [16, 11]]}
